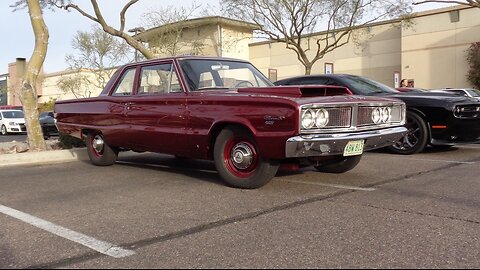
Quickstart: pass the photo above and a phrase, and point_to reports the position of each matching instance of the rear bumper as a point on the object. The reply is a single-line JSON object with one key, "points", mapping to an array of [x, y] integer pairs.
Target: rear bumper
{"points": [[334, 144]]}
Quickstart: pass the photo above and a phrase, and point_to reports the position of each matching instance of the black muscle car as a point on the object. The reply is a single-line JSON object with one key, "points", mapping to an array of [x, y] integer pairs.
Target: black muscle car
{"points": [[438, 119]]}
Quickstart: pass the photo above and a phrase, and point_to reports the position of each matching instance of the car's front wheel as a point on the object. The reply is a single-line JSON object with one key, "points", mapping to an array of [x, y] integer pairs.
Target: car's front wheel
{"points": [[99, 152], [238, 162], [4, 130], [339, 165], [416, 138]]}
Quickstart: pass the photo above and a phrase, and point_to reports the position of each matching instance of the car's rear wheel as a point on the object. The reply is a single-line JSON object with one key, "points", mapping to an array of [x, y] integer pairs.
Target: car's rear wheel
{"points": [[4, 130], [339, 165], [99, 152], [416, 138], [238, 161]]}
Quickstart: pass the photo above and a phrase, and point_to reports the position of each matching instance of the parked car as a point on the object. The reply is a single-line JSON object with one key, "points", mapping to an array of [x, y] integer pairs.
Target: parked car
{"points": [[12, 121], [227, 111], [47, 122], [467, 92], [438, 119]]}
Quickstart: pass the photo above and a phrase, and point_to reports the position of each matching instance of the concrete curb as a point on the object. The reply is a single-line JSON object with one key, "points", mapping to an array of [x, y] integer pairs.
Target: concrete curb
{"points": [[45, 157]]}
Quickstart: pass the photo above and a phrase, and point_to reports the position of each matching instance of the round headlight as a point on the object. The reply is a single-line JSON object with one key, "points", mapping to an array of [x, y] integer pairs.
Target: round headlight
{"points": [[386, 115], [376, 115], [321, 120], [308, 119]]}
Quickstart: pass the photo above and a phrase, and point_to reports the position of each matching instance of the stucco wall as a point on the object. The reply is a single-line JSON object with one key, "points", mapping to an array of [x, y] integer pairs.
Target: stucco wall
{"points": [[433, 52], [376, 54]]}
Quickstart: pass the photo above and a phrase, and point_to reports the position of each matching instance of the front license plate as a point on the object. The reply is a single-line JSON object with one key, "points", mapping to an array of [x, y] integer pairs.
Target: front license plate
{"points": [[353, 148]]}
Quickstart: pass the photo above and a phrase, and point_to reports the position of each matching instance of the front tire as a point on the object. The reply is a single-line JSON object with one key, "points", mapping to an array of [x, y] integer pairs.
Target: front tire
{"points": [[238, 162], [99, 152], [340, 165], [4, 130], [416, 139]]}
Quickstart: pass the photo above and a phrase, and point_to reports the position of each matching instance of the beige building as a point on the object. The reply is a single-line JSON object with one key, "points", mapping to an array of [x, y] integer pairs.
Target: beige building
{"points": [[208, 36], [430, 52]]}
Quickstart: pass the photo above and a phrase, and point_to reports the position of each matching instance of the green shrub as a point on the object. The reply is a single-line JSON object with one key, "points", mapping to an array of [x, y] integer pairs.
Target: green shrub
{"points": [[473, 58]]}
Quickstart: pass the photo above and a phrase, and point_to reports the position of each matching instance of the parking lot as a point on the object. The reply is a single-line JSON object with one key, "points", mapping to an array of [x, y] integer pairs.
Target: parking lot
{"points": [[156, 211]]}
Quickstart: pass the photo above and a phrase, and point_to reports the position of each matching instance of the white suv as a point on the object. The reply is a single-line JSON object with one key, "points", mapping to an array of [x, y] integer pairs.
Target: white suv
{"points": [[12, 121]]}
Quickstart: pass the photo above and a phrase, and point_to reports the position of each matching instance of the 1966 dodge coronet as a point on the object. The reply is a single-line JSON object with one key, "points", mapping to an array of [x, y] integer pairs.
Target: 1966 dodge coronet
{"points": [[226, 110]]}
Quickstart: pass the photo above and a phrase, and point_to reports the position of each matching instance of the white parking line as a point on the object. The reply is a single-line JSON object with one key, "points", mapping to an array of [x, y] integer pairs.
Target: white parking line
{"points": [[330, 185], [82, 239]]}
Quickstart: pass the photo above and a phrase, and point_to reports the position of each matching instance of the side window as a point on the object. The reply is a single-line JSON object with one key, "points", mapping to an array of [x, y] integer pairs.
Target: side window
{"points": [[1, 116], [158, 79], [206, 80], [125, 87]]}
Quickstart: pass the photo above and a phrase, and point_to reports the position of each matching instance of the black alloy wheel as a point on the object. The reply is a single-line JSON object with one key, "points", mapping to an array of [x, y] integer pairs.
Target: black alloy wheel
{"points": [[416, 138]]}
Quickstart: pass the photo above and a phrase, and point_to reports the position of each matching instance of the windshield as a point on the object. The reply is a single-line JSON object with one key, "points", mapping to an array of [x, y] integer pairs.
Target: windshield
{"points": [[366, 86], [474, 92], [13, 114], [211, 74]]}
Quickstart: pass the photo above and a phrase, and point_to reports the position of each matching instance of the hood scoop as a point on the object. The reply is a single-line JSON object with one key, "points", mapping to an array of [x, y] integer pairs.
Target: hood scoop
{"points": [[297, 91]]}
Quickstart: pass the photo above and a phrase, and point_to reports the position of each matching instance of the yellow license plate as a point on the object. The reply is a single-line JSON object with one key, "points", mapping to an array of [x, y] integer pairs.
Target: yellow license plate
{"points": [[353, 148]]}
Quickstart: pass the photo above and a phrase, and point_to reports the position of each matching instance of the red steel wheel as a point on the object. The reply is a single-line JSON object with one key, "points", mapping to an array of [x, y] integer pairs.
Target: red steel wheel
{"points": [[238, 161], [99, 152]]}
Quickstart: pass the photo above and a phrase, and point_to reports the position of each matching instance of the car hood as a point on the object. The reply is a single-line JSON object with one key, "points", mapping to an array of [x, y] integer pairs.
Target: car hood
{"points": [[431, 99], [15, 120]]}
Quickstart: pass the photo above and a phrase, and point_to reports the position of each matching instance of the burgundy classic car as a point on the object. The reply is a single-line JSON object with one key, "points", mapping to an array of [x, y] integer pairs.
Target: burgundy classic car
{"points": [[227, 111]]}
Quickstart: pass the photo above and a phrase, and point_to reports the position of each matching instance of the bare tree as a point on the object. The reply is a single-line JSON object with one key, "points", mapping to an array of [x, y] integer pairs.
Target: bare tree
{"points": [[98, 52], [294, 21], [76, 84], [472, 3], [30, 74], [170, 40], [98, 17]]}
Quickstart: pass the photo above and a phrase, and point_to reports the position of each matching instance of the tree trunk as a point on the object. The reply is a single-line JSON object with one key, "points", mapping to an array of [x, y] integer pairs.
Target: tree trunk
{"points": [[308, 69], [29, 79]]}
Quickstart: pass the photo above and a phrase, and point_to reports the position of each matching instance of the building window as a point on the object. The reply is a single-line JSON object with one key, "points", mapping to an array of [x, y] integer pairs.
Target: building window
{"points": [[328, 68], [454, 16], [272, 74]]}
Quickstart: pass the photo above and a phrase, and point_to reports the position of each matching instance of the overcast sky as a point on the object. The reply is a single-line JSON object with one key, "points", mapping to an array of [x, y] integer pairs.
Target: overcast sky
{"points": [[17, 36]]}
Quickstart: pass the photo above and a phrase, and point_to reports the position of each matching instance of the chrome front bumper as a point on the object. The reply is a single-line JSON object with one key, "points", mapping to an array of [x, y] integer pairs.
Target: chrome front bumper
{"points": [[334, 144]]}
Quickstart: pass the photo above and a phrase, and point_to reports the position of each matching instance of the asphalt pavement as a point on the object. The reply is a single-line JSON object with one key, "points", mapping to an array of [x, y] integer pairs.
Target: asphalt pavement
{"points": [[11, 138], [156, 211]]}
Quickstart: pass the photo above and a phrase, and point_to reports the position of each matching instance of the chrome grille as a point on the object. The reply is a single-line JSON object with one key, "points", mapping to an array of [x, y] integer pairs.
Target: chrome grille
{"points": [[364, 117], [339, 117]]}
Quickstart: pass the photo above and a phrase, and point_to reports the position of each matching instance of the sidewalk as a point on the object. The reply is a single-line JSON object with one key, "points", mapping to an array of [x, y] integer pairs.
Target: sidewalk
{"points": [[12, 153]]}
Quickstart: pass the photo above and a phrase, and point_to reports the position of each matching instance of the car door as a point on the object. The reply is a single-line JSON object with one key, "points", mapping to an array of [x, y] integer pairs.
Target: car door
{"points": [[113, 118], [157, 112]]}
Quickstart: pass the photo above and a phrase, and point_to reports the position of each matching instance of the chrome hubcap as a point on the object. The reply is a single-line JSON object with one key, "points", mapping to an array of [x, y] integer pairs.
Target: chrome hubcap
{"points": [[242, 156], [98, 143]]}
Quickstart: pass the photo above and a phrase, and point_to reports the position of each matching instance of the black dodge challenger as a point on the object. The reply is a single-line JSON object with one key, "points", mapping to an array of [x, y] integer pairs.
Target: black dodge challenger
{"points": [[438, 119]]}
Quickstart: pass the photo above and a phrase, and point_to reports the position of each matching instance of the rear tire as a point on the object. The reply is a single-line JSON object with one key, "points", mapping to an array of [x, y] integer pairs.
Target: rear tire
{"points": [[238, 162], [99, 152], [341, 165]]}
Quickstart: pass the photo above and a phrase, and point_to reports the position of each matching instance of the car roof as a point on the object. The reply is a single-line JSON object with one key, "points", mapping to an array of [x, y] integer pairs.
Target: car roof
{"points": [[185, 57]]}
